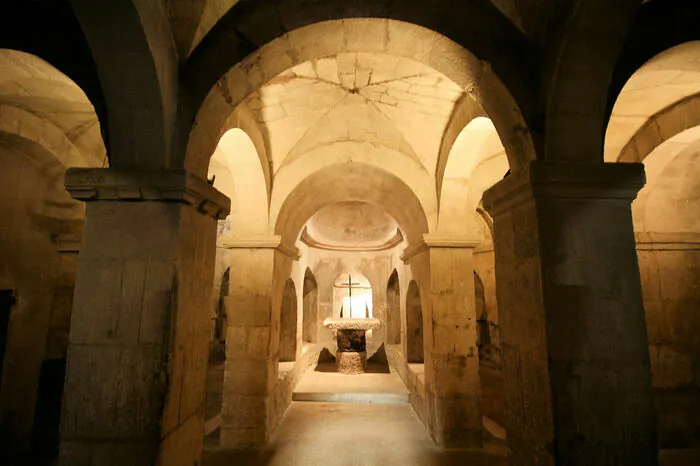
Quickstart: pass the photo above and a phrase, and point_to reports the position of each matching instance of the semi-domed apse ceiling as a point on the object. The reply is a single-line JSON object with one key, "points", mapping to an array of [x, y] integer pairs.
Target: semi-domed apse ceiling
{"points": [[351, 225]]}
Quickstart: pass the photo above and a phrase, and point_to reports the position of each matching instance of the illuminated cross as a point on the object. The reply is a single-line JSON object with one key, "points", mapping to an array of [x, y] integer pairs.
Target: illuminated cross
{"points": [[349, 285]]}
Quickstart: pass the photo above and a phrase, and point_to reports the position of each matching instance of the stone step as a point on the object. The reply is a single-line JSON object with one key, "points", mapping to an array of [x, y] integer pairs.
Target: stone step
{"points": [[357, 398]]}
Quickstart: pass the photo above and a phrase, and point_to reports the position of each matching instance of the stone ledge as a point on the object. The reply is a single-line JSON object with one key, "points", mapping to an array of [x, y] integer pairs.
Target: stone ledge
{"points": [[437, 241], [258, 242], [114, 184], [663, 241], [351, 324]]}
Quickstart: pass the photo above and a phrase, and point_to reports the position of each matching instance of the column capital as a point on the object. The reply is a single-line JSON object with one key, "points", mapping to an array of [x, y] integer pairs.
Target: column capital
{"points": [[542, 180], [257, 242], [440, 240], [131, 185]]}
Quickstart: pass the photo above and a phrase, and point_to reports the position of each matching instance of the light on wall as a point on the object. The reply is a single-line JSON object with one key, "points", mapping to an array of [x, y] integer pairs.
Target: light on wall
{"points": [[361, 305]]}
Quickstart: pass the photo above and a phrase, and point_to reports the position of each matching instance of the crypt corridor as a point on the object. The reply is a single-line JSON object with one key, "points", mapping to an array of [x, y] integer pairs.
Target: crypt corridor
{"points": [[191, 191]]}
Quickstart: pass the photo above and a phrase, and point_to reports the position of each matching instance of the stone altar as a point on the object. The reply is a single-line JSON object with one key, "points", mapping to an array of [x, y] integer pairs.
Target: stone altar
{"points": [[351, 357]]}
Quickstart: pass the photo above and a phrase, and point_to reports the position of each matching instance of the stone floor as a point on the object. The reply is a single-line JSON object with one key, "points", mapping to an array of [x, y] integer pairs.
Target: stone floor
{"points": [[347, 434], [368, 421]]}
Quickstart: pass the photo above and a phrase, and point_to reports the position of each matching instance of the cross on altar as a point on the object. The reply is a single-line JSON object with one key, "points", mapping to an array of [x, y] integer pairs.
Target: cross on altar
{"points": [[349, 285]]}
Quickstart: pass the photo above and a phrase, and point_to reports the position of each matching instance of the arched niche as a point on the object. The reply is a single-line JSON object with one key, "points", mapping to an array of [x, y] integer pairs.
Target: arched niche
{"points": [[310, 303], [288, 323], [414, 325], [355, 302], [393, 306]]}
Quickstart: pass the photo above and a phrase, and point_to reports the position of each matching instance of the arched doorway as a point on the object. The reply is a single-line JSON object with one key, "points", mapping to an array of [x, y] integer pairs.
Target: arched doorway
{"points": [[310, 302], [393, 305], [288, 323], [414, 325]]}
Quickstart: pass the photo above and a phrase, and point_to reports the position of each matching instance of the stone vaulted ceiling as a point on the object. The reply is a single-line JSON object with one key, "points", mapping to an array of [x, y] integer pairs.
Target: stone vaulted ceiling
{"points": [[359, 98]]}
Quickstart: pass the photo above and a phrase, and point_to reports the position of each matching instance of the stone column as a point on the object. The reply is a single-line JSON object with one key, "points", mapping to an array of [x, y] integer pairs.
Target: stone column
{"points": [[574, 339], [450, 340], [252, 338], [137, 356]]}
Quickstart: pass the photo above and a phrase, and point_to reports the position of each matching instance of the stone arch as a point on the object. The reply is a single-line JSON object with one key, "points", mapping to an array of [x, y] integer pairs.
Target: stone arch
{"points": [[465, 111], [343, 182], [62, 43], [461, 188], [660, 127], [243, 119], [288, 323], [139, 78], [669, 202], [583, 67], [658, 26], [385, 160], [310, 302], [239, 77], [40, 103], [393, 304], [237, 173], [506, 48], [414, 325], [639, 123]]}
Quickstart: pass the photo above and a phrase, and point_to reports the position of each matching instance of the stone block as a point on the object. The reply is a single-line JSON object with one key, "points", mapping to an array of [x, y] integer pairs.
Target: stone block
{"points": [[246, 378], [258, 343], [236, 342], [243, 411]]}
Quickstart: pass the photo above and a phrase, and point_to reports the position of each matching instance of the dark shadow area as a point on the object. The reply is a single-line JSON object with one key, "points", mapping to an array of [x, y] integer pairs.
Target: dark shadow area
{"points": [[328, 367], [379, 357], [47, 417], [325, 362], [7, 300]]}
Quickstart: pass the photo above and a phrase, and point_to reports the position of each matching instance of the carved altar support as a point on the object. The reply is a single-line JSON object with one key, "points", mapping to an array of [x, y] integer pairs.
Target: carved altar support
{"points": [[351, 357]]}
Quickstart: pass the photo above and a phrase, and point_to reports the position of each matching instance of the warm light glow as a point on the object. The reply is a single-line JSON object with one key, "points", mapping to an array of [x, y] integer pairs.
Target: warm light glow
{"points": [[358, 306]]}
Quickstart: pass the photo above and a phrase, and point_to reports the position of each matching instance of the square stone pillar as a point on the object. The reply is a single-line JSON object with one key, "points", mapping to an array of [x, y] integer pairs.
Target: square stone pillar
{"points": [[139, 338], [573, 333], [252, 339], [450, 340]]}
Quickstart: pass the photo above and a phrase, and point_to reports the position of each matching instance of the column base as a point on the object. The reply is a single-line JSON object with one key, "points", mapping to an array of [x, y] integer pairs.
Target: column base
{"points": [[351, 363]]}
